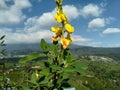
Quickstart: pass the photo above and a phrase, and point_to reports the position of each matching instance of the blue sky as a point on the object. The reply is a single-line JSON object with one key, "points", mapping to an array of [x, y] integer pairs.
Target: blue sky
{"points": [[96, 22]]}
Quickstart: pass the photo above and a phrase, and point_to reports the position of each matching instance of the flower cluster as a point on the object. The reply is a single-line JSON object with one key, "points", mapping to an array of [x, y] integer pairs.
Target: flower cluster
{"points": [[63, 28]]}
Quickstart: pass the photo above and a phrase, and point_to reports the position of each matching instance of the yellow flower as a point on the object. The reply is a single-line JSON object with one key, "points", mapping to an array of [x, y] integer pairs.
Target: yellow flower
{"points": [[60, 17], [57, 30], [37, 75], [57, 17], [69, 38], [63, 16], [69, 28], [65, 42], [55, 38]]}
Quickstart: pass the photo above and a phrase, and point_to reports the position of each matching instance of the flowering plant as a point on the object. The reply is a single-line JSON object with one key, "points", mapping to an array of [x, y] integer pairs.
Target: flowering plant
{"points": [[54, 72]]}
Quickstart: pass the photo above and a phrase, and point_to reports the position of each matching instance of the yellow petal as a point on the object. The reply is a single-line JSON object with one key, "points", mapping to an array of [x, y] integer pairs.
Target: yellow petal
{"points": [[69, 28], [56, 38], [60, 17], [37, 75], [65, 43], [53, 29], [57, 31], [57, 18], [63, 17]]}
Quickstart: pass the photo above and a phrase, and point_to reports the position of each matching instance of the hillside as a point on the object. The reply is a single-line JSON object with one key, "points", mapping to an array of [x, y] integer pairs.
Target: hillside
{"points": [[93, 74], [96, 51], [78, 51]]}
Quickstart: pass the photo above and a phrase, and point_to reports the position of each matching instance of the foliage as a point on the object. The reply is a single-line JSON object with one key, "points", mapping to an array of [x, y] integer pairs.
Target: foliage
{"points": [[108, 73], [54, 72], [103, 81], [2, 52]]}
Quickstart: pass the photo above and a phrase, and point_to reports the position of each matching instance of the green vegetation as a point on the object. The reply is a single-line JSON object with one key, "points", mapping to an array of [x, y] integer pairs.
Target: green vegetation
{"points": [[93, 75]]}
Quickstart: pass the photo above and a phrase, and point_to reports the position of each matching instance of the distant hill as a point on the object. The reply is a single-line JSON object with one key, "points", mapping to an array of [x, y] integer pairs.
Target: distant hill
{"points": [[23, 49], [113, 52]]}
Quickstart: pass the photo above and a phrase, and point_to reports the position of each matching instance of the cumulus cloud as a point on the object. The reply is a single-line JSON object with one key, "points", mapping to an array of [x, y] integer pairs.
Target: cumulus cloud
{"points": [[46, 20], [91, 10], [38, 27], [12, 14], [71, 11], [96, 23], [79, 39], [111, 31], [25, 37], [34, 37]]}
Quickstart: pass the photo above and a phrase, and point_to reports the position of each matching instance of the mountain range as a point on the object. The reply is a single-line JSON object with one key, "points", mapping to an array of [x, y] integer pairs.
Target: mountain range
{"points": [[77, 50]]}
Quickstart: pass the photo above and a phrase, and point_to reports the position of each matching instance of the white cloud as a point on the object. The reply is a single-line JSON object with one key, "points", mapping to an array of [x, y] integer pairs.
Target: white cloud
{"points": [[111, 31], [13, 14], [94, 43], [40, 23], [96, 24], [38, 27], [91, 9], [46, 20], [3, 5], [25, 37], [34, 37], [77, 39], [71, 11]]}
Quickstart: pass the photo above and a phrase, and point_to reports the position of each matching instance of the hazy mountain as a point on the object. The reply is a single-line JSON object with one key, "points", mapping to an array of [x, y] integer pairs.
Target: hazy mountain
{"points": [[22, 49], [113, 52]]}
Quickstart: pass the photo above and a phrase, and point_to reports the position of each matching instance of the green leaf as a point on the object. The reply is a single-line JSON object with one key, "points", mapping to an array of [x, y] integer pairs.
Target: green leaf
{"points": [[69, 69], [2, 43], [44, 46], [2, 37], [25, 87], [66, 85], [34, 78], [55, 49], [29, 57], [41, 63], [41, 79], [44, 72], [46, 64], [56, 67]]}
